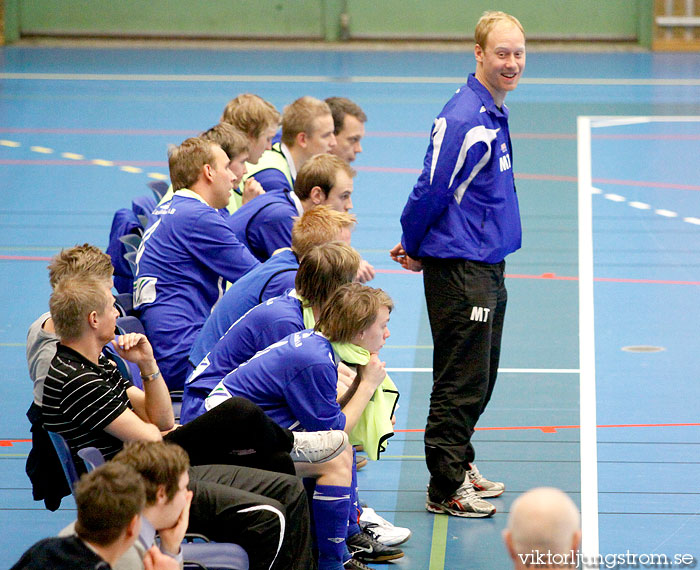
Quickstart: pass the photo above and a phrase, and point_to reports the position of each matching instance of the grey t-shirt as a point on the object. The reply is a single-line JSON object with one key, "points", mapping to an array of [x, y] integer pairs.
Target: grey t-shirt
{"points": [[41, 348]]}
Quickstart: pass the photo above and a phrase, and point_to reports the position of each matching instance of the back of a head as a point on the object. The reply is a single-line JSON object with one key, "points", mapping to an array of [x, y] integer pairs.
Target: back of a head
{"points": [[187, 160], [108, 498], [298, 117], [322, 171], [351, 309], [83, 259], [341, 106], [233, 141], [158, 462], [325, 268], [545, 520], [317, 226], [251, 114], [488, 21]]}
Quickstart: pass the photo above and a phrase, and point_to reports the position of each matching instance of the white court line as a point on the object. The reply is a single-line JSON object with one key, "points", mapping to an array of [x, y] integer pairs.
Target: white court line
{"points": [[335, 79], [502, 370], [589, 444]]}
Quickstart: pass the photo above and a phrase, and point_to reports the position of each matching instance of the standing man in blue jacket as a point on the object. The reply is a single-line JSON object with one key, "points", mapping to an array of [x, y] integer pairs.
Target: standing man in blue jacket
{"points": [[460, 222]]}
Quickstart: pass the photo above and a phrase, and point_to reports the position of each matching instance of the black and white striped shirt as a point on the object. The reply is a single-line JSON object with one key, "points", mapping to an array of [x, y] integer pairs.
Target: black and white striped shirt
{"points": [[81, 399]]}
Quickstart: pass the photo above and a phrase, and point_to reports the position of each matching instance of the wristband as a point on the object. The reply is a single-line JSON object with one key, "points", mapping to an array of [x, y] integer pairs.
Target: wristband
{"points": [[149, 377]]}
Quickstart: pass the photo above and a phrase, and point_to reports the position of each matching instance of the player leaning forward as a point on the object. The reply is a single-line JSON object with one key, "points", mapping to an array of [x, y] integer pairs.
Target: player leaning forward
{"points": [[460, 222]]}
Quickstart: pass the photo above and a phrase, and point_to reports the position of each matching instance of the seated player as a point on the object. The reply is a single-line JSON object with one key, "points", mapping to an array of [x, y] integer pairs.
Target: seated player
{"points": [[258, 120], [307, 130], [43, 466], [237, 146], [349, 121], [321, 271], [163, 469], [186, 255], [89, 403], [265, 224], [295, 382], [316, 227], [109, 502]]}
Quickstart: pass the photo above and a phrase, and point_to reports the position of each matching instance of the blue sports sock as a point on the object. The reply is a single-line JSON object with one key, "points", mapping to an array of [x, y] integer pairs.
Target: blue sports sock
{"points": [[330, 506], [354, 515]]}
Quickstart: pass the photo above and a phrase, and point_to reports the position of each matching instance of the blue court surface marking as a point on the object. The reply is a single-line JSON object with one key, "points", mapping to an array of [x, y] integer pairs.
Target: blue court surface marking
{"points": [[121, 128]]}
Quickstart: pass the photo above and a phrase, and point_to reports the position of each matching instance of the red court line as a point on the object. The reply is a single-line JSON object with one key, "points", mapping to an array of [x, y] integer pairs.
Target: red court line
{"points": [[554, 277], [646, 184], [24, 258], [9, 442], [553, 429], [378, 134], [544, 276], [89, 162], [97, 131], [651, 137], [387, 169]]}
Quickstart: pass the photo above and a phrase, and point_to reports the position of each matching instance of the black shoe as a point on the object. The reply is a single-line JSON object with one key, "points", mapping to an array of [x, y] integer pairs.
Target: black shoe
{"points": [[355, 564], [366, 548]]}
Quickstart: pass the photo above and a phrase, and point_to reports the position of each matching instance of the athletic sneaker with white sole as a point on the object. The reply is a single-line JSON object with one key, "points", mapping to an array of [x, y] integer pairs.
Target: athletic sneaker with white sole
{"points": [[364, 547], [482, 486], [355, 564], [318, 446], [464, 503], [383, 530]]}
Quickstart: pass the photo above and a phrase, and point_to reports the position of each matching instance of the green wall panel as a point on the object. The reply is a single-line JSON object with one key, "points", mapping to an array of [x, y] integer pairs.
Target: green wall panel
{"points": [[545, 19], [321, 19], [213, 18]]}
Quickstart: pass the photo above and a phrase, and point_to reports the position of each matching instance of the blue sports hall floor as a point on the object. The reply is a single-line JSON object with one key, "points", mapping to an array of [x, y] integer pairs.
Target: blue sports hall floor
{"points": [[598, 392]]}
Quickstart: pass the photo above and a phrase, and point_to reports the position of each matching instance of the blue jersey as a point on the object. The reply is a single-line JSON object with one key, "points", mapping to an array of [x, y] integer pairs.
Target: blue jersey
{"points": [[260, 327], [272, 180], [295, 381], [464, 204], [264, 224], [268, 280], [183, 260]]}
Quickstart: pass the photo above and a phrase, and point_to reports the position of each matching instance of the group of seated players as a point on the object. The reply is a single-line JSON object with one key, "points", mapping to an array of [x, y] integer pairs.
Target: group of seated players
{"points": [[254, 305]]}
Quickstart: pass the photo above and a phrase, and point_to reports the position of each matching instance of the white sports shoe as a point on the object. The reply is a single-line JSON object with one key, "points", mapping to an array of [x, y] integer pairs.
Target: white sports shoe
{"points": [[482, 486], [318, 446], [383, 530]]}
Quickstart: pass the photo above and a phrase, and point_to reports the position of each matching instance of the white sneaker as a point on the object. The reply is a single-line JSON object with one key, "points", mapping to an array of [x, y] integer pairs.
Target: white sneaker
{"points": [[383, 530], [318, 446], [482, 486]]}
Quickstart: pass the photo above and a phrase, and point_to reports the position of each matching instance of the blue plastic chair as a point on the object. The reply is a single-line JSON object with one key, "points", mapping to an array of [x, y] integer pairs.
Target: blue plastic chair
{"points": [[65, 457], [159, 188]]}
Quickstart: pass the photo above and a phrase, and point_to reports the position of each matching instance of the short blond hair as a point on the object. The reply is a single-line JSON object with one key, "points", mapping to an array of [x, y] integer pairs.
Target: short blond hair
{"points": [[73, 299], [317, 226], [351, 309], [251, 114], [233, 141], [320, 170], [187, 161], [83, 259], [325, 268], [487, 22], [299, 116]]}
